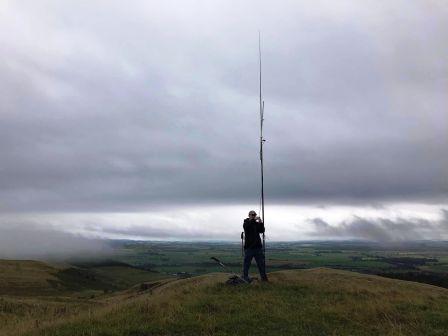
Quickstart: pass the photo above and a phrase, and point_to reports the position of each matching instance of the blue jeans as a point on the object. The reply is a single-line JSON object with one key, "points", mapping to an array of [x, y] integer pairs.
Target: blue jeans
{"points": [[258, 254]]}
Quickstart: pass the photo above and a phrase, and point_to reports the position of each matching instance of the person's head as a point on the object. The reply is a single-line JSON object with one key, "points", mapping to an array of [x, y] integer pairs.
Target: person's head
{"points": [[252, 214]]}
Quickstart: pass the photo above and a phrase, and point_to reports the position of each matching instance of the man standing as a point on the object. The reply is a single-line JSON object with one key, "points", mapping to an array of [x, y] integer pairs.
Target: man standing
{"points": [[253, 226]]}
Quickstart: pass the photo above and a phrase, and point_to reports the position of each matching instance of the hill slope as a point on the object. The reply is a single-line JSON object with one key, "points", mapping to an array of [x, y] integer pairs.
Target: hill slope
{"points": [[32, 278], [33, 292], [298, 302], [27, 277]]}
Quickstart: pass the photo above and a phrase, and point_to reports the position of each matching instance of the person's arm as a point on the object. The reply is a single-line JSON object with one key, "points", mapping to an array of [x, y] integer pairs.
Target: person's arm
{"points": [[260, 226]]}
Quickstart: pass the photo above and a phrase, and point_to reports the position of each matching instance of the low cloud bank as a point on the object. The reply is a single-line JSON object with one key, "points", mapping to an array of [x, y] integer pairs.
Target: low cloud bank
{"points": [[383, 229], [58, 236], [44, 243]]}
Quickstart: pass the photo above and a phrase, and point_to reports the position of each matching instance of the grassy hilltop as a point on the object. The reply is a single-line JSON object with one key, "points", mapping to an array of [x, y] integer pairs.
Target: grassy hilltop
{"points": [[297, 302], [138, 291]]}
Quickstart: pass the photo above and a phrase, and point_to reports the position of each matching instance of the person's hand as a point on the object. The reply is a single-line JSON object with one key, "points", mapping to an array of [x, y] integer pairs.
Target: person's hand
{"points": [[258, 218]]}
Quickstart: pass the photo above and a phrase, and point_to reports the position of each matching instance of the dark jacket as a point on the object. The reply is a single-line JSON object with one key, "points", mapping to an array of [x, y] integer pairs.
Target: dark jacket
{"points": [[252, 230]]}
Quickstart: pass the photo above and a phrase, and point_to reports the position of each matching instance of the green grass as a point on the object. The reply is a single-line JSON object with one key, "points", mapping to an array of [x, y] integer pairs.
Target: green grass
{"points": [[305, 302]]}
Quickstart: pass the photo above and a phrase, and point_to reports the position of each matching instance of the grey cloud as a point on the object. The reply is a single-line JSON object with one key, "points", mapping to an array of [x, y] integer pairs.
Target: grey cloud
{"points": [[155, 232], [383, 229], [152, 104]]}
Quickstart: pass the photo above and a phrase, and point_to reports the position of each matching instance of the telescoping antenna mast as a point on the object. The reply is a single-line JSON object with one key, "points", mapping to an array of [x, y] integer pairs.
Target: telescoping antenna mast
{"points": [[262, 140]]}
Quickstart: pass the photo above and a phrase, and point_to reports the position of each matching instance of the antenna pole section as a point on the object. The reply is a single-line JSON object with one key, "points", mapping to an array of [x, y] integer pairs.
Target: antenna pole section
{"points": [[261, 145]]}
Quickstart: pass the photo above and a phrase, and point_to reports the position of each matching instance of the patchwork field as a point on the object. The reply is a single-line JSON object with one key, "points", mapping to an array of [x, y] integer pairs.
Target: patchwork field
{"points": [[425, 262]]}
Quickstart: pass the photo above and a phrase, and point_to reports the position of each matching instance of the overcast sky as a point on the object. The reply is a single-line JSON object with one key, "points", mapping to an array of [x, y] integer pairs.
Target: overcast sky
{"points": [[112, 110]]}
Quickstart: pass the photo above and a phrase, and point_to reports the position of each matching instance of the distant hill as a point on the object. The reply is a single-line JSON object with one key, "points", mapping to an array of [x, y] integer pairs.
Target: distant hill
{"points": [[34, 278], [296, 302], [27, 277]]}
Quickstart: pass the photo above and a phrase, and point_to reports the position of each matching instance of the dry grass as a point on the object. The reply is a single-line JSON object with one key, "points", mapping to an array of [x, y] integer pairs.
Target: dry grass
{"points": [[299, 302]]}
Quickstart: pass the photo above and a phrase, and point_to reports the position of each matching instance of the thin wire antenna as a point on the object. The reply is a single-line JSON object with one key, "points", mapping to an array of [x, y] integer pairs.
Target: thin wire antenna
{"points": [[261, 143]]}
